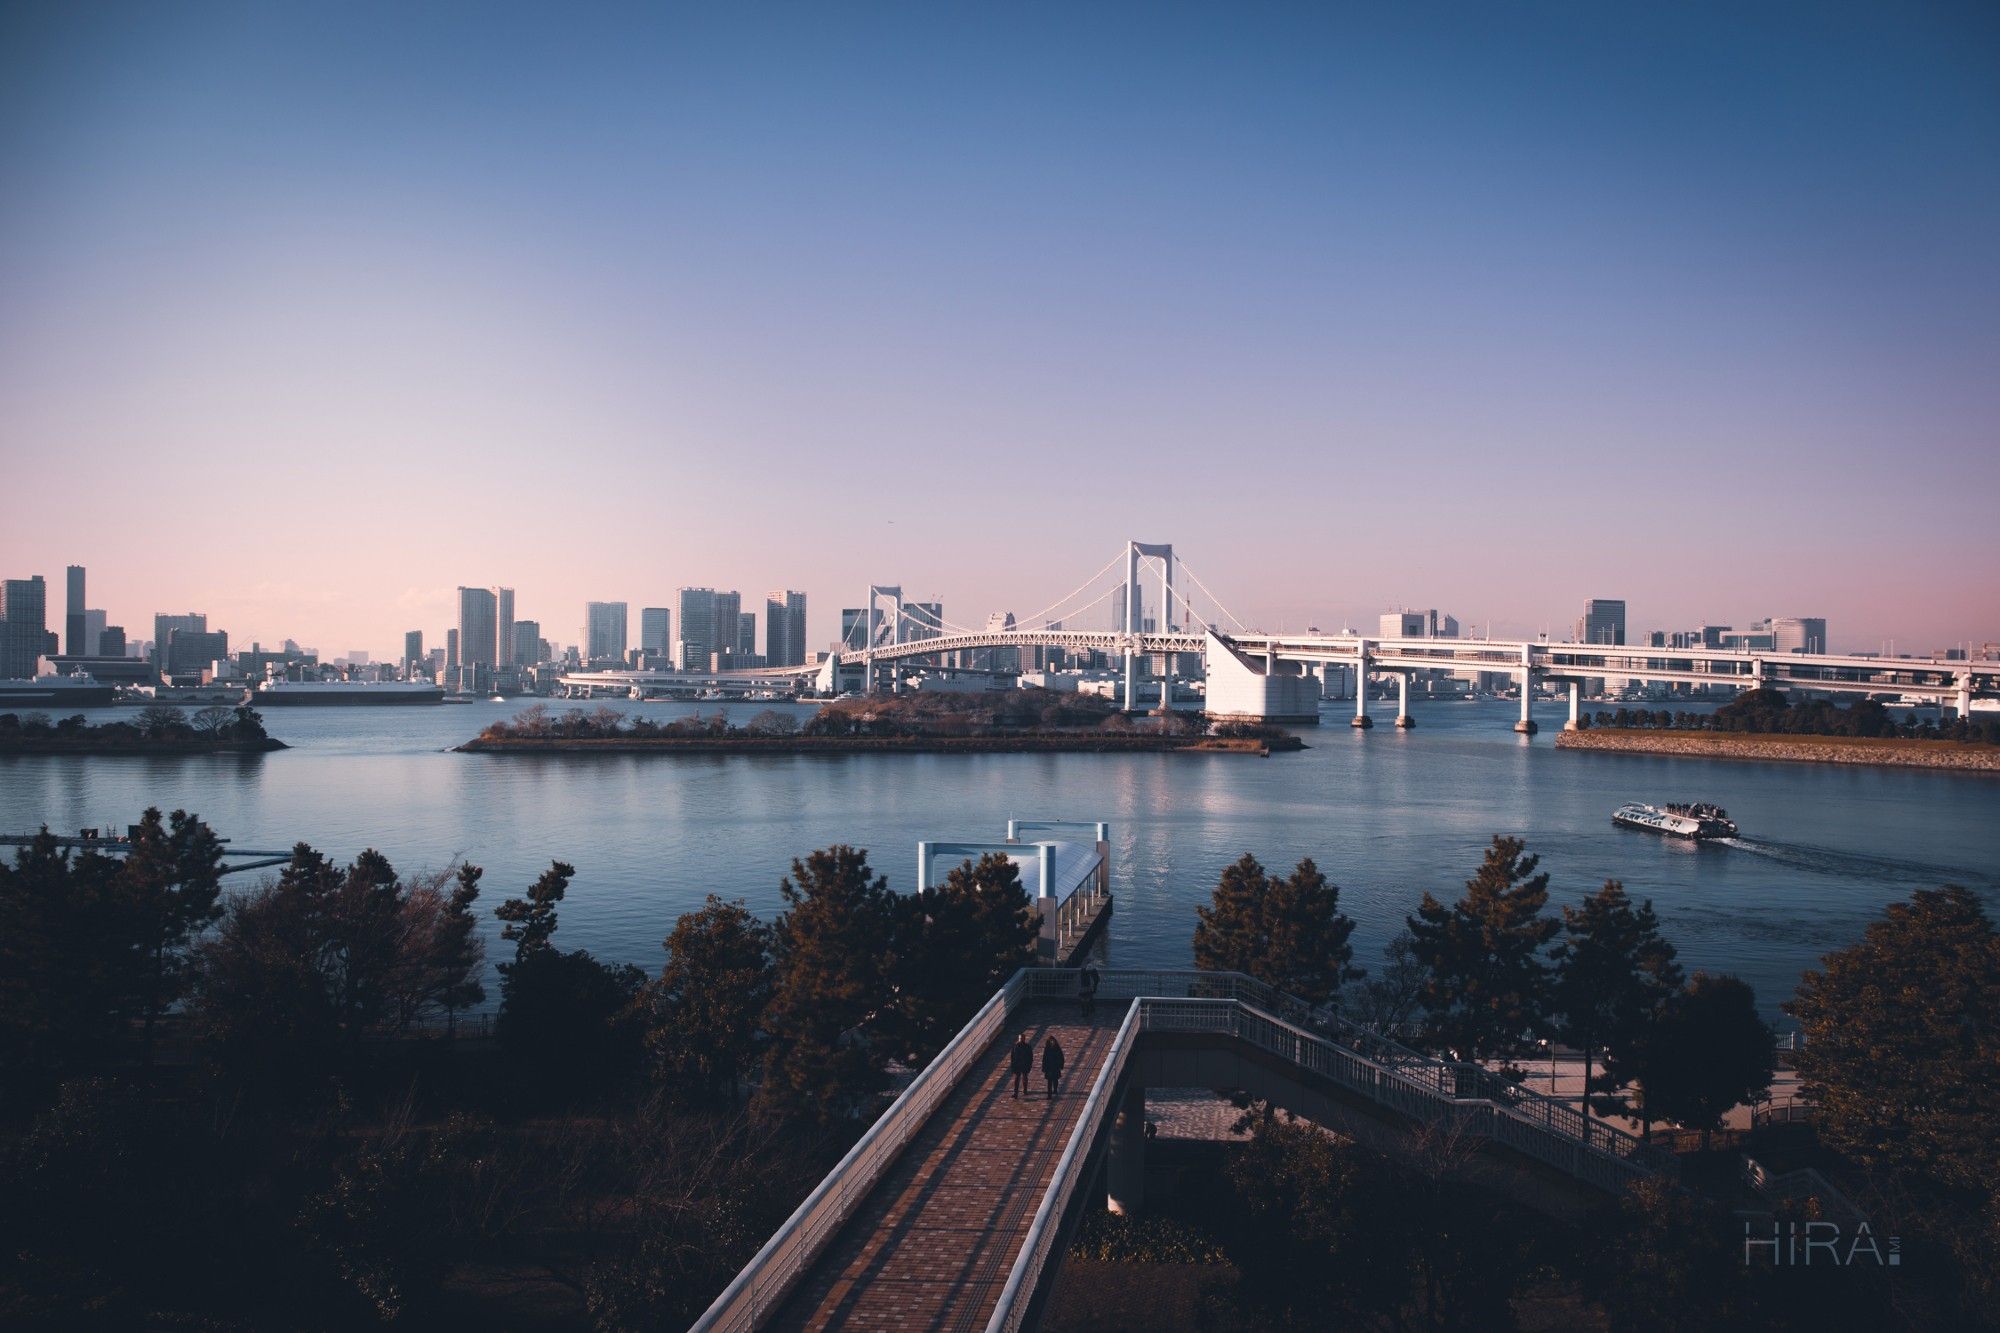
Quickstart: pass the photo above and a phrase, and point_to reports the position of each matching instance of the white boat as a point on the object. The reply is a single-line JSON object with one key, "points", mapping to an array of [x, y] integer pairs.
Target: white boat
{"points": [[1696, 821]]}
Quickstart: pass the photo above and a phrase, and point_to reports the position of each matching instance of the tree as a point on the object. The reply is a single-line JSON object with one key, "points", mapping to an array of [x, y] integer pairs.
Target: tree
{"points": [[159, 721], [1390, 1000], [213, 719], [442, 954], [1286, 932], [169, 884], [829, 946], [70, 964], [708, 1002], [1613, 971], [532, 920], [1229, 932], [954, 944], [1711, 1051], [1486, 983]]}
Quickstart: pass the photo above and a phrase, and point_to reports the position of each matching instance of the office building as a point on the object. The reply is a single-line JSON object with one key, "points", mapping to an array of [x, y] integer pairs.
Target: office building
{"points": [[93, 632], [746, 634], [1602, 622], [852, 638], [529, 650], [413, 650], [111, 641], [604, 631], [190, 652], [1430, 624], [478, 627], [24, 634], [710, 620], [784, 628], [451, 649], [73, 629], [1794, 634], [656, 633], [166, 626]]}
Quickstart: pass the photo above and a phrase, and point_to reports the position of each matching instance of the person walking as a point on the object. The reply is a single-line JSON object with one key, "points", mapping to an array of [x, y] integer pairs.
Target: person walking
{"points": [[1052, 1065], [1024, 1060], [1086, 992]]}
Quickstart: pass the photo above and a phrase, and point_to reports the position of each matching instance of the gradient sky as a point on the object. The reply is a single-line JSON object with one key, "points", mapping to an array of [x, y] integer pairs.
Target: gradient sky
{"points": [[309, 313]]}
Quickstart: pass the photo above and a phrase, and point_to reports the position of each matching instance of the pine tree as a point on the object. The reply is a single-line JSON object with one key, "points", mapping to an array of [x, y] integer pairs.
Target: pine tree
{"points": [[1307, 949], [1486, 984], [1229, 934], [460, 953], [955, 944], [707, 1005], [1613, 972], [829, 946], [531, 921], [169, 887], [1710, 1051]]}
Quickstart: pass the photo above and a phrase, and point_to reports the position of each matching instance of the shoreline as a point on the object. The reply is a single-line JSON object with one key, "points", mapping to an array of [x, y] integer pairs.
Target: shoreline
{"points": [[1878, 752], [52, 745], [1082, 743]]}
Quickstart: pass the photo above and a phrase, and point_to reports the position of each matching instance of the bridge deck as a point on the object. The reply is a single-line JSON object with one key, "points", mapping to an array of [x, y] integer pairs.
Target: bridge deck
{"points": [[932, 1245]]}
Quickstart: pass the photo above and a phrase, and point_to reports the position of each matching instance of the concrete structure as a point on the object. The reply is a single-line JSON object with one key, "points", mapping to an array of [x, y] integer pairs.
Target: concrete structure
{"points": [[1795, 634], [1247, 687], [1069, 880]]}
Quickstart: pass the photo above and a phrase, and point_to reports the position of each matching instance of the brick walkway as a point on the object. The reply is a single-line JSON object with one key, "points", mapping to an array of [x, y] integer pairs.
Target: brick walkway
{"points": [[932, 1245]]}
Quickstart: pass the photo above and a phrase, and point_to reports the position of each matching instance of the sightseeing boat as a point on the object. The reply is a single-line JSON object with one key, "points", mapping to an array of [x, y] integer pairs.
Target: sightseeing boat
{"points": [[1696, 820]]}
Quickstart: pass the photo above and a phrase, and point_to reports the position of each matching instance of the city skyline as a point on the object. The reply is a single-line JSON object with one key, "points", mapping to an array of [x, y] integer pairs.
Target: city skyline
{"points": [[1610, 307]]}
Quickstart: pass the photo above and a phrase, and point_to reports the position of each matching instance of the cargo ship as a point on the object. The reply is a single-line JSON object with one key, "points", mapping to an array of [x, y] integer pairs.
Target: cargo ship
{"points": [[324, 693], [1696, 820], [78, 691]]}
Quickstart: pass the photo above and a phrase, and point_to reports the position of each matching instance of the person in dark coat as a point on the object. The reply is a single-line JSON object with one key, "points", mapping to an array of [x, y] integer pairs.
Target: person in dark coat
{"points": [[1024, 1060], [1052, 1064]]}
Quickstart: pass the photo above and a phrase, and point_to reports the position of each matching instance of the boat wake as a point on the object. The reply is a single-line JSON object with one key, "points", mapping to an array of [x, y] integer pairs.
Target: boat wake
{"points": [[1851, 865]]}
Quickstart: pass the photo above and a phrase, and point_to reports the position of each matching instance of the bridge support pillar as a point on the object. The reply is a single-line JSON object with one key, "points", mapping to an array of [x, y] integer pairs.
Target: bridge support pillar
{"points": [[1125, 1162], [1361, 718], [1964, 696], [1575, 722], [1526, 726], [1403, 718]]}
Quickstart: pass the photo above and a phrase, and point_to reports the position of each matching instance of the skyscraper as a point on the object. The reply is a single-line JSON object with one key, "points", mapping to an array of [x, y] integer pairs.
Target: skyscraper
{"points": [[527, 642], [73, 634], [1796, 634], [165, 627], [746, 634], [656, 632], [503, 627], [604, 631], [709, 620], [451, 649], [24, 633], [413, 650], [478, 626], [1603, 622], [94, 624], [784, 628]]}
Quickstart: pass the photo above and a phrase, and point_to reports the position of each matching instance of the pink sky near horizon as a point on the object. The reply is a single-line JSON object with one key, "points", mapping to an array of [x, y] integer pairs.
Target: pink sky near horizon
{"points": [[302, 329]]}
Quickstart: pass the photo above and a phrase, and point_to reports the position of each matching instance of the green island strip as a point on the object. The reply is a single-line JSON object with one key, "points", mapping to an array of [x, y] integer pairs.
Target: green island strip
{"points": [[158, 729], [1885, 751], [1010, 722]]}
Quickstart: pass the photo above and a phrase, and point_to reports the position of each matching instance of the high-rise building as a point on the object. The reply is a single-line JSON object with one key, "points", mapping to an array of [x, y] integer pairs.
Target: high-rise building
{"points": [[451, 649], [165, 627], [1430, 624], [478, 627], [784, 628], [73, 631], [656, 632], [709, 621], [93, 632], [1602, 622], [413, 649], [189, 652], [923, 620], [111, 641], [24, 631], [746, 634], [852, 637], [527, 643], [503, 627], [604, 631], [1795, 634]]}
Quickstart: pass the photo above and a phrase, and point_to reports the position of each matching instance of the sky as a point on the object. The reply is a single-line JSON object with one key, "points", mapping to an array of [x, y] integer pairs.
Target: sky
{"points": [[309, 314]]}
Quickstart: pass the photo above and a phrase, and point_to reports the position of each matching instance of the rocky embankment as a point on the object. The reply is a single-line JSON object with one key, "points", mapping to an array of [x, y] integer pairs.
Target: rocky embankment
{"points": [[1895, 753], [1026, 743]]}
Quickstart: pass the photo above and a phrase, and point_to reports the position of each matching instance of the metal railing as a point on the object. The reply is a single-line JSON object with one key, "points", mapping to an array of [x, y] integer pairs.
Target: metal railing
{"points": [[767, 1279], [1026, 1276], [1075, 914]]}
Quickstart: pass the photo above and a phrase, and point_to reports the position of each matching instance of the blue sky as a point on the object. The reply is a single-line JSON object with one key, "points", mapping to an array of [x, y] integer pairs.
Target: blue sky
{"points": [[1484, 307]]}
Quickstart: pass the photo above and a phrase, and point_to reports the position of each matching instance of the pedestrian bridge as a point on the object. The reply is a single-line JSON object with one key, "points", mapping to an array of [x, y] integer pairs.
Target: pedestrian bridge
{"points": [[952, 1209]]}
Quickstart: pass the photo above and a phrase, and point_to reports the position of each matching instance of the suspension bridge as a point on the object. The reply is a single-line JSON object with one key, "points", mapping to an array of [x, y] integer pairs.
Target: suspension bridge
{"points": [[1252, 674]]}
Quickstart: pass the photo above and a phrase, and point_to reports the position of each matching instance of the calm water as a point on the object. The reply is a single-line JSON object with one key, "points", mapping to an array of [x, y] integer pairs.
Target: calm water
{"points": [[1386, 814]]}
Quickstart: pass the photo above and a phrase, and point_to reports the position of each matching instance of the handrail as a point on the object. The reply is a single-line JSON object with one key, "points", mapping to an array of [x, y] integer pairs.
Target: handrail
{"points": [[1012, 1310], [766, 1280]]}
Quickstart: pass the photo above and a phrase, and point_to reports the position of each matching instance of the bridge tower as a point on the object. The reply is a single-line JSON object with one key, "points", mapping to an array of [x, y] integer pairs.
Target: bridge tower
{"points": [[895, 596], [1134, 553]]}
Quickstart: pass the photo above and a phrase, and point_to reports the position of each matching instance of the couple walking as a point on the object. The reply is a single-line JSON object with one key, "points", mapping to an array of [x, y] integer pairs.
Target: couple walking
{"points": [[1023, 1059]]}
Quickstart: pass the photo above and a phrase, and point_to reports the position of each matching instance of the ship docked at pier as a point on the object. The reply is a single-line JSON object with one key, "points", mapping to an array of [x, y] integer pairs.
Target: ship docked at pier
{"points": [[1696, 821], [339, 693]]}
